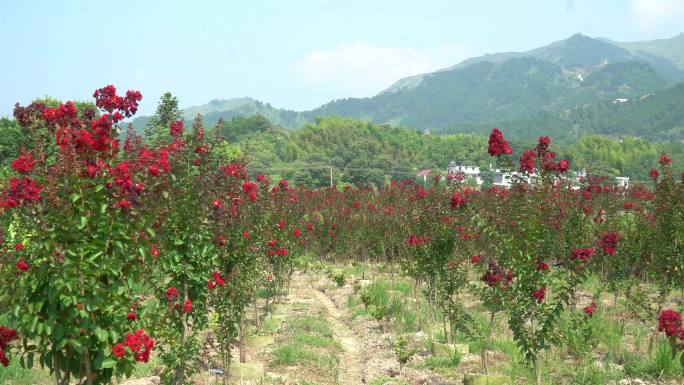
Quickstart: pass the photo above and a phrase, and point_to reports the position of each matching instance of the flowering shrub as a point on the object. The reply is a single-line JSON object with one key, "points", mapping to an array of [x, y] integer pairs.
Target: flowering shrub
{"points": [[78, 216], [111, 253]]}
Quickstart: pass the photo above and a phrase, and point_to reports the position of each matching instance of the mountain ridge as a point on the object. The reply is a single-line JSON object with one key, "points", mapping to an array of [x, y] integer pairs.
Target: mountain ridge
{"points": [[562, 75]]}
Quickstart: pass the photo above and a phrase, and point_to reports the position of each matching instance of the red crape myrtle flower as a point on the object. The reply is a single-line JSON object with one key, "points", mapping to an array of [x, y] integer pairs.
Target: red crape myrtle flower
{"points": [[539, 294], [589, 310], [497, 144], [475, 259], [4, 360], [670, 322], [176, 129], [582, 254], [216, 281], [18, 246], [131, 316], [171, 294], [22, 265], [119, 350], [457, 200], [527, 161], [653, 174], [495, 274], [7, 335], [541, 265], [22, 191], [24, 163], [140, 344], [609, 242], [187, 306], [665, 160]]}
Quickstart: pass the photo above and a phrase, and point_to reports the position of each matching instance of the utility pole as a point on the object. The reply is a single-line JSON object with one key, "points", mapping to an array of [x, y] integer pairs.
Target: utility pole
{"points": [[331, 182]]}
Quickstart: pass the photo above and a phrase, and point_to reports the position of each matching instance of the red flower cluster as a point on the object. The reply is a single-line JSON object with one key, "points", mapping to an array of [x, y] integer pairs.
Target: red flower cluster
{"points": [[414, 240], [582, 254], [171, 294], [609, 242], [63, 116], [457, 200], [187, 306], [22, 265], [297, 232], [275, 249], [539, 294], [119, 350], [670, 322], [21, 191], [216, 280], [140, 344], [7, 335], [527, 161], [176, 128], [542, 147], [589, 310], [250, 188], [475, 259], [24, 163], [665, 160], [495, 274], [497, 144], [131, 316], [107, 99], [541, 265], [235, 169], [653, 174]]}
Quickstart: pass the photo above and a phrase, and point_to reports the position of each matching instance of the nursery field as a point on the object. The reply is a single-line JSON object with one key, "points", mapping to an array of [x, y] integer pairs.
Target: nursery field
{"points": [[141, 260]]}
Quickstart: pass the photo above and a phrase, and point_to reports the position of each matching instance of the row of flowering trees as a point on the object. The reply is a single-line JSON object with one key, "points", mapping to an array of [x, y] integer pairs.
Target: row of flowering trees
{"points": [[111, 251]]}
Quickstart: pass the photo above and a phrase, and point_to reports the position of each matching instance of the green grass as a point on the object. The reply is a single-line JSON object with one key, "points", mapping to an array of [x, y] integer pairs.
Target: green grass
{"points": [[309, 343], [311, 340], [660, 364], [14, 374]]}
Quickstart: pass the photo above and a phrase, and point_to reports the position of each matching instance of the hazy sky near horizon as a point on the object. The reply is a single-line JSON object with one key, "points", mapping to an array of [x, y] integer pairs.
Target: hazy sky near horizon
{"points": [[294, 54]]}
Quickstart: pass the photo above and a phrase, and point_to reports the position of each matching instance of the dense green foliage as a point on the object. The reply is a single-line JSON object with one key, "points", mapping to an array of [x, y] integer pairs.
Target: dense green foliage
{"points": [[360, 151], [656, 116], [517, 87]]}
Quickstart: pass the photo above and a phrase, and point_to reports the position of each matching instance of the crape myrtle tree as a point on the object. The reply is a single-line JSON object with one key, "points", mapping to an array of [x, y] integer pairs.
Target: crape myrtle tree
{"points": [[157, 128], [74, 217]]}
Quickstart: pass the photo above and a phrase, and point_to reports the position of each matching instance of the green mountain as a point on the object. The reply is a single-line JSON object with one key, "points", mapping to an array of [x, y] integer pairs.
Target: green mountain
{"points": [[658, 116], [565, 77], [579, 54], [513, 88], [672, 49], [228, 109]]}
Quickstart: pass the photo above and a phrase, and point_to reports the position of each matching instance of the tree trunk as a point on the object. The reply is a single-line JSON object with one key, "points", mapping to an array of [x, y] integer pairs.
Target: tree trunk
{"points": [[243, 357], [485, 359], [180, 370]]}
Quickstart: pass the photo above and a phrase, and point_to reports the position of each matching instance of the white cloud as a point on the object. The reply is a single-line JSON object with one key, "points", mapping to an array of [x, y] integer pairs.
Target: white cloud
{"points": [[649, 14], [362, 69]]}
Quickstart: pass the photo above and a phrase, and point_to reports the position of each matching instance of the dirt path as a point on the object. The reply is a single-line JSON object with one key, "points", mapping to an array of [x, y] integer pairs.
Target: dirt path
{"points": [[351, 369]]}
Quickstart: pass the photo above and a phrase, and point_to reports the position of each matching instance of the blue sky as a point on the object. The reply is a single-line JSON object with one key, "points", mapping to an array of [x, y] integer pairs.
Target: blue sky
{"points": [[295, 54]]}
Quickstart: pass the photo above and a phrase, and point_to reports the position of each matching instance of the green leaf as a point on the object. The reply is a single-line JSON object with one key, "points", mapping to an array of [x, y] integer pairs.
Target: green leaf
{"points": [[108, 362], [74, 197], [84, 223], [101, 334]]}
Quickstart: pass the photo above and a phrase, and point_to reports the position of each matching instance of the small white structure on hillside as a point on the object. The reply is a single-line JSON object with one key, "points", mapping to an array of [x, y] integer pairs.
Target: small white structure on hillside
{"points": [[622, 181], [506, 179], [471, 172]]}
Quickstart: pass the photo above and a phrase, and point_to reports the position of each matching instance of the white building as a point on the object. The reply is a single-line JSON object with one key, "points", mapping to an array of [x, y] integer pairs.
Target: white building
{"points": [[622, 181], [506, 179], [468, 172]]}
